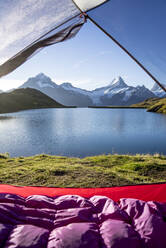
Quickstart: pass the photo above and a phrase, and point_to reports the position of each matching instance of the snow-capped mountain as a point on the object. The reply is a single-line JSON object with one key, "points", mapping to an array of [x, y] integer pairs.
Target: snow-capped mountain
{"points": [[158, 91], [65, 93], [119, 93], [115, 93], [115, 87]]}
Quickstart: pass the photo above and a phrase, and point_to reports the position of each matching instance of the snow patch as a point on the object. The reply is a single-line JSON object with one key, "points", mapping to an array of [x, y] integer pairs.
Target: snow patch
{"points": [[44, 85], [128, 94]]}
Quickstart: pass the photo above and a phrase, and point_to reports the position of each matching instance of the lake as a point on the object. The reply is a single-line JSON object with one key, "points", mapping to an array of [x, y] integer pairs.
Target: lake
{"points": [[81, 132]]}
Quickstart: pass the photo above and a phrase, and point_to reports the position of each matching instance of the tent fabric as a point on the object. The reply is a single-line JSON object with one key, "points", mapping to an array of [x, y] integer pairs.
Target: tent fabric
{"points": [[139, 27], [26, 23], [86, 5], [23, 23], [63, 35], [150, 192]]}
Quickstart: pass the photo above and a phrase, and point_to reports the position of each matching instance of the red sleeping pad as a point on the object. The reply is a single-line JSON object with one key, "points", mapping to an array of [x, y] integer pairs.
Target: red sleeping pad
{"points": [[150, 192]]}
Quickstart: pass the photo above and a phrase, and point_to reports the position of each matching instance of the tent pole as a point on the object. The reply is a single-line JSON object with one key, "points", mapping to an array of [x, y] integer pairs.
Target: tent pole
{"points": [[124, 49]]}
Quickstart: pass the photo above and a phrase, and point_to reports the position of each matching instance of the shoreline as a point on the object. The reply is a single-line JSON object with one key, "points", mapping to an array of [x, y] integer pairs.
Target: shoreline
{"points": [[117, 107]]}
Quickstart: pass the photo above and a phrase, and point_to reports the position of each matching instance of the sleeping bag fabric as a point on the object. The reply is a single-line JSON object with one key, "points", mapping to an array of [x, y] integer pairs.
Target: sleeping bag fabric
{"points": [[71, 221]]}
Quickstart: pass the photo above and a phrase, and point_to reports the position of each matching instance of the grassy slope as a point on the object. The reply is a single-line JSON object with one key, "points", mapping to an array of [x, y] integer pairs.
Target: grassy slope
{"points": [[22, 99], [98, 171], [153, 105], [115, 107]]}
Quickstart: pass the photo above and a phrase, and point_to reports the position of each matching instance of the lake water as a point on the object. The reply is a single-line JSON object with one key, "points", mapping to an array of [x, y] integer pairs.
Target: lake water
{"points": [[82, 132]]}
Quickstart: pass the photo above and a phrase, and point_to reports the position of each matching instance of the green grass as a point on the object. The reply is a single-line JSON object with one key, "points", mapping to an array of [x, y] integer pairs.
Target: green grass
{"points": [[98, 171], [23, 99], [115, 107], [157, 105]]}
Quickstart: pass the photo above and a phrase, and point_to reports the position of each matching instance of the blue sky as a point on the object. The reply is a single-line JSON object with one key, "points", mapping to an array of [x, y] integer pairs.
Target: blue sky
{"points": [[88, 61]]}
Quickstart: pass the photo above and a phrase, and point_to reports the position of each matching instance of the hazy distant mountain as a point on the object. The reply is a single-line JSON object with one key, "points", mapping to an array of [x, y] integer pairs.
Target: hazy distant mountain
{"points": [[1, 91], [158, 91], [116, 93], [22, 99], [65, 93]]}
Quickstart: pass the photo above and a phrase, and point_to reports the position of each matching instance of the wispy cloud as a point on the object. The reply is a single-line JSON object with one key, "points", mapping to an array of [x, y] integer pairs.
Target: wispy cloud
{"points": [[106, 52], [81, 62]]}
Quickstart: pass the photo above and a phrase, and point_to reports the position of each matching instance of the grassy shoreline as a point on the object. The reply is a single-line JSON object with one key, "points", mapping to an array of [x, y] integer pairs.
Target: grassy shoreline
{"points": [[156, 105], [117, 107], [96, 171]]}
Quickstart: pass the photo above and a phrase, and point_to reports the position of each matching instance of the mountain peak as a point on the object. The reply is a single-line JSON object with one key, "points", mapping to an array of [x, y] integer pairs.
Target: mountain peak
{"points": [[40, 80], [155, 87], [42, 76], [118, 83], [116, 93], [67, 85], [159, 92]]}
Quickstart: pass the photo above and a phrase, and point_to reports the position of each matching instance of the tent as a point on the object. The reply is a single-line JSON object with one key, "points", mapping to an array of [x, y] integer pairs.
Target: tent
{"points": [[32, 25], [136, 26]]}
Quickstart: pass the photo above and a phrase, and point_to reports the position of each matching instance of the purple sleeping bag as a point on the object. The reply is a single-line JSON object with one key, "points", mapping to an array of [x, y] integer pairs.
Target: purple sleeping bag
{"points": [[72, 221]]}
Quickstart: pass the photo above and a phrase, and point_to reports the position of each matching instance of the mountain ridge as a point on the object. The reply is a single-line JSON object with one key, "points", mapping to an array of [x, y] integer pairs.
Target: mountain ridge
{"points": [[117, 92], [67, 97]]}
